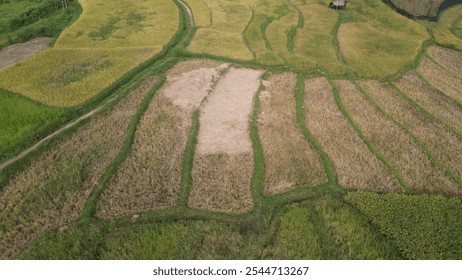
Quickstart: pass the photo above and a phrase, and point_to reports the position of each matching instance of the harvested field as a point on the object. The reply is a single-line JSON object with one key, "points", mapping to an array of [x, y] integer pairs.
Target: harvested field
{"points": [[449, 85], [450, 60], [395, 145], [356, 167], [222, 182], [289, 159], [223, 164], [434, 102], [151, 175], [52, 191]]}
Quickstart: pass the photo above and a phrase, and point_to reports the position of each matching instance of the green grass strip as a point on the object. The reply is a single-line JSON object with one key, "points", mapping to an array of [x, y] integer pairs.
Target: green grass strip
{"points": [[256, 185], [391, 169], [186, 177], [291, 38], [300, 116], [263, 27]]}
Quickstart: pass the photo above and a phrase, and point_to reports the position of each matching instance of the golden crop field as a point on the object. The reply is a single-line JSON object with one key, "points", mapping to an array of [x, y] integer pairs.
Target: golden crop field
{"points": [[108, 40]]}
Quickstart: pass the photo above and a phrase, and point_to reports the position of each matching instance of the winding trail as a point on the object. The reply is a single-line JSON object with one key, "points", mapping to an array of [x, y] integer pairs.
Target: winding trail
{"points": [[192, 23], [74, 123]]}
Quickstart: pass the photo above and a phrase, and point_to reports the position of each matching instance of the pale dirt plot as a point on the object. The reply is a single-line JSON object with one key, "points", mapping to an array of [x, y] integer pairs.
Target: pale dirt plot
{"points": [[151, 175], [52, 190], [224, 120], [19, 52], [395, 145], [223, 164], [437, 77], [451, 60], [356, 166], [411, 85], [289, 159]]}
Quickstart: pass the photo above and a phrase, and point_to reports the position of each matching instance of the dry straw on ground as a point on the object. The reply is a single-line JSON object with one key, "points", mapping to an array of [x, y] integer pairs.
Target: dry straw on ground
{"points": [[356, 167], [150, 177], [395, 145], [223, 164], [53, 189], [451, 60], [432, 101], [289, 158], [439, 78]]}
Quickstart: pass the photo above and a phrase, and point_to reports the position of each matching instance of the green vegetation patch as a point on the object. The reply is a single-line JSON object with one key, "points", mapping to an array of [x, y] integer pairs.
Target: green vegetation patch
{"points": [[20, 118], [421, 226], [22, 20]]}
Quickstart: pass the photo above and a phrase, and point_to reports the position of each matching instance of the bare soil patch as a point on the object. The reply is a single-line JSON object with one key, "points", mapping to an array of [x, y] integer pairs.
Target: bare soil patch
{"points": [[150, 177], [451, 60], [440, 79], [19, 52], [395, 145], [224, 120], [289, 158], [434, 102], [223, 164], [52, 191], [356, 167]]}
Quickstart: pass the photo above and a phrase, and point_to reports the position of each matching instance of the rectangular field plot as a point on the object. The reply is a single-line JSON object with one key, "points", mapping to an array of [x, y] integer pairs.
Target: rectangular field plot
{"points": [[52, 190], [451, 60], [289, 158], [151, 175], [440, 79], [435, 103], [356, 167], [395, 145], [223, 164]]}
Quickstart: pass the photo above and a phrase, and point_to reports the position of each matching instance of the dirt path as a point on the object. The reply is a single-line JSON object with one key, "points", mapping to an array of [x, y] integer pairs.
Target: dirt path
{"points": [[69, 125], [19, 52], [190, 14]]}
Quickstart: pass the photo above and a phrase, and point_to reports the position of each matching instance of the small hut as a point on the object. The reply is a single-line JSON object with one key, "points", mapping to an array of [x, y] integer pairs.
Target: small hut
{"points": [[338, 4]]}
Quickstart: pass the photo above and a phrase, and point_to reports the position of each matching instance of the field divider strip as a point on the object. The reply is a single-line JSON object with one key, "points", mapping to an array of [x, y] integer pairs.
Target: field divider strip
{"points": [[426, 112], [447, 172], [256, 183], [244, 38], [449, 73], [428, 84], [391, 169], [93, 199], [188, 159], [299, 93]]}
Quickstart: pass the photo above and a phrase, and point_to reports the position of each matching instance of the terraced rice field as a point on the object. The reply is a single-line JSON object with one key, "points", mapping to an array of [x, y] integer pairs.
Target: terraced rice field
{"points": [[94, 52], [266, 129]]}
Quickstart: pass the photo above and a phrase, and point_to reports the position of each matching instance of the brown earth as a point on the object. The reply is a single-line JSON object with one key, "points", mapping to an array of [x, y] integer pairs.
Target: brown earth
{"points": [[397, 147], [289, 159], [356, 166], [451, 60]]}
